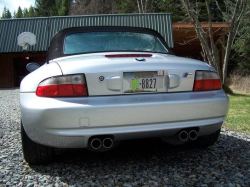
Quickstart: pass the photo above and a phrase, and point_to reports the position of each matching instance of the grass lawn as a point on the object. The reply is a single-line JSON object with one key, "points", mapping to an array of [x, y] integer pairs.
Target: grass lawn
{"points": [[238, 118]]}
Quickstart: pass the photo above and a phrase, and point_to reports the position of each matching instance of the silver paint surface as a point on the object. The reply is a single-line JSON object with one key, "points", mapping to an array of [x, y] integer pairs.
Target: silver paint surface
{"points": [[70, 122]]}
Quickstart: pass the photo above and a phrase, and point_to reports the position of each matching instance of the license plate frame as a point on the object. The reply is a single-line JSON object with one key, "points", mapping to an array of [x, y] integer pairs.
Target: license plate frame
{"points": [[143, 82]]}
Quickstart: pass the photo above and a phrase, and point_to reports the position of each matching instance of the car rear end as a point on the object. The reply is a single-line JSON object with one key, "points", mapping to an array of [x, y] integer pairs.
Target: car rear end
{"points": [[133, 99], [90, 99]]}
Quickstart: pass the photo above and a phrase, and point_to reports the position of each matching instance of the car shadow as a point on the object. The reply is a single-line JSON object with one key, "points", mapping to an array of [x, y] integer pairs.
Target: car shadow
{"points": [[143, 161]]}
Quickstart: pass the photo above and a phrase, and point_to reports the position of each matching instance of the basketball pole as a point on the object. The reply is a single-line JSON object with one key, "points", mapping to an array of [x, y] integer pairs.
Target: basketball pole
{"points": [[48, 28]]}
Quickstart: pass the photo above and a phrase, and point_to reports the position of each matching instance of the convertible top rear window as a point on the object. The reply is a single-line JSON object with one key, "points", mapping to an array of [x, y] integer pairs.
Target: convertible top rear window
{"points": [[87, 42]]}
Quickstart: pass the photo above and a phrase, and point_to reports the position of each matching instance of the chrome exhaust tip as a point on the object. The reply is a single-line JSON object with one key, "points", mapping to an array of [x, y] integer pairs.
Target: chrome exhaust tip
{"points": [[107, 143], [193, 135], [183, 136], [96, 143]]}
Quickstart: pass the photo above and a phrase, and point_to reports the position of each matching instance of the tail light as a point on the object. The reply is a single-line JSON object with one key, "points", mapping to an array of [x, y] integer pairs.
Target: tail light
{"points": [[63, 86], [206, 80]]}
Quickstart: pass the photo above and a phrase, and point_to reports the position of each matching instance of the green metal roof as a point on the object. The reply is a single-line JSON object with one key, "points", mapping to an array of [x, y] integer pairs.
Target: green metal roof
{"points": [[45, 28]]}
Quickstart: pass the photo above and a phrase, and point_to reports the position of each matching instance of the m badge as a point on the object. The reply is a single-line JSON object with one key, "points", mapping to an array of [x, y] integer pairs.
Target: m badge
{"points": [[188, 75]]}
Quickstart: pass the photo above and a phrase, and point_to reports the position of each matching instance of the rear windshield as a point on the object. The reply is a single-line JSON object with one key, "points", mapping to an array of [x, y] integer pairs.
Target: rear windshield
{"points": [[112, 41]]}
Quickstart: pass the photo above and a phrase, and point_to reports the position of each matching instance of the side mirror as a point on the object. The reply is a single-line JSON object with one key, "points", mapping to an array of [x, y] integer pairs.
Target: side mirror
{"points": [[32, 66]]}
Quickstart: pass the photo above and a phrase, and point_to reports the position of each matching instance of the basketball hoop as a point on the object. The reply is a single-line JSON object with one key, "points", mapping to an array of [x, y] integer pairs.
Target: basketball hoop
{"points": [[25, 46], [26, 39]]}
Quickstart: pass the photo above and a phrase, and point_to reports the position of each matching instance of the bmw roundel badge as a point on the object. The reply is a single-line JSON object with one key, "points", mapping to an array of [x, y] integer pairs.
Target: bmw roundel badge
{"points": [[140, 59], [101, 78]]}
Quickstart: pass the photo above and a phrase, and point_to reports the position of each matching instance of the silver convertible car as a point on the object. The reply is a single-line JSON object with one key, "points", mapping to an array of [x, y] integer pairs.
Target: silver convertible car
{"points": [[101, 85]]}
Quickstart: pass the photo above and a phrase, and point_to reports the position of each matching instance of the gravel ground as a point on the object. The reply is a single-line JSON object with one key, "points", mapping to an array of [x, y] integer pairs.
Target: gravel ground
{"points": [[146, 162]]}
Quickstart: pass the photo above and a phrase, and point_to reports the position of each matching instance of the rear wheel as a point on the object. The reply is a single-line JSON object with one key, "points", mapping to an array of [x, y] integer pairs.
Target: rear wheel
{"points": [[35, 153], [204, 141]]}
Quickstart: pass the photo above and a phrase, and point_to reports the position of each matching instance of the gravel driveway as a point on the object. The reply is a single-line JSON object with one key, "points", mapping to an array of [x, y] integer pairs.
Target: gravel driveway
{"points": [[146, 162]]}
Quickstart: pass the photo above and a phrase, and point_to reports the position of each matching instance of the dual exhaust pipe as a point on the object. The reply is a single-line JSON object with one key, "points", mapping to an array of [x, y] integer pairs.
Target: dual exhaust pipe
{"points": [[185, 135], [97, 143], [102, 144]]}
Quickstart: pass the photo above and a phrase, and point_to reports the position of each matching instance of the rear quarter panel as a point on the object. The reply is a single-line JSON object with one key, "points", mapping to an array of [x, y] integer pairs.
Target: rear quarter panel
{"points": [[32, 80]]}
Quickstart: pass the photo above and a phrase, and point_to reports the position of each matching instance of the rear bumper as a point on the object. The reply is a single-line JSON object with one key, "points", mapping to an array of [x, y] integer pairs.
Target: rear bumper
{"points": [[70, 122]]}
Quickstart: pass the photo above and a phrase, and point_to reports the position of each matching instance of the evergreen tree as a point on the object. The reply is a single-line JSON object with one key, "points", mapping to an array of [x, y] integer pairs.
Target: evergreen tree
{"points": [[43, 6], [81, 7], [127, 6], [55, 7], [62, 7], [6, 13], [178, 14], [19, 13], [25, 13], [32, 12]]}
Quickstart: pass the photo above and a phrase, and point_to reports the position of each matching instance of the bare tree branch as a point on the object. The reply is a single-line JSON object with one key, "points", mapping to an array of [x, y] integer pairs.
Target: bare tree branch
{"points": [[232, 32], [242, 35], [210, 50], [219, 7], [138, 4], [215, 53], [200, 32]]}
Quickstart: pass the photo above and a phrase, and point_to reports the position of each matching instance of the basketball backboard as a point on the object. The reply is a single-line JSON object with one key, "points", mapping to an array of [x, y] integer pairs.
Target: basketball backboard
{"points": [[25, 39]]}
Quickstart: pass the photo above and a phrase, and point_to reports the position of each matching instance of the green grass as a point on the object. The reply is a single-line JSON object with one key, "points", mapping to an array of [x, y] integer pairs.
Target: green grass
{"points": [[238, 118]]}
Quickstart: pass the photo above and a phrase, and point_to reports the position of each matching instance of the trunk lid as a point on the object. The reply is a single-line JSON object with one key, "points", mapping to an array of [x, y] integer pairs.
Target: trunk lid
{"points": [[113, 75]]}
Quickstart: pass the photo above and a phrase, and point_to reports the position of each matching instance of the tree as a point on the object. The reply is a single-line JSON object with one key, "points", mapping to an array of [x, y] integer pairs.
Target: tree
{"points": [[240, 59], [126, 6], [32, 12], [138, 6], [245, 56], [62, 7], [6, 13], [85, 7], [178, 14], [55, 7], [25, 13], [233, 16], [43, 7], [19, 13], [79, 7], [143, 6]]}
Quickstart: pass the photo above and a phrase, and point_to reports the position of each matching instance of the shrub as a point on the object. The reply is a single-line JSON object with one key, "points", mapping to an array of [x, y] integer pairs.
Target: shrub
{"points": [[239, 82]]}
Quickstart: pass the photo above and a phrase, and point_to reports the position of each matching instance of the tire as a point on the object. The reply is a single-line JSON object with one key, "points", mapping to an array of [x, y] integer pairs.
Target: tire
{"points": [[34, 153], [204, 141]]}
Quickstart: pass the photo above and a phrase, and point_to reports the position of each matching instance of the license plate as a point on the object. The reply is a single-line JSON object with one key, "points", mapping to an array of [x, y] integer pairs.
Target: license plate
{"points": [[142, 81]]}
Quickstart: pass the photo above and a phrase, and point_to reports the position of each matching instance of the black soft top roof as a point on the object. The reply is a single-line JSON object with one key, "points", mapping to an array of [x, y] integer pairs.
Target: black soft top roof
{"points": [[57, 43]]}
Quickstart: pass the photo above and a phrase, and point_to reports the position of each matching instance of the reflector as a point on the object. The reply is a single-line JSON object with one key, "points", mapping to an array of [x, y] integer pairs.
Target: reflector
{"points": [[47, 91], [80, 89], [65, 90]]}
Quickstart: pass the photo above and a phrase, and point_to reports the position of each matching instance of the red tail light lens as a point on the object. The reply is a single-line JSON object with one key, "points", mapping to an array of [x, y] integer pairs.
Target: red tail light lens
{"points": [[63, 86], [206, 80]]}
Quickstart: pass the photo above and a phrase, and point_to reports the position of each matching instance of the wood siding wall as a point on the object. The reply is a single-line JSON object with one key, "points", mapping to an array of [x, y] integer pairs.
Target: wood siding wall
{"points": [[7, 74], [6, 71]]}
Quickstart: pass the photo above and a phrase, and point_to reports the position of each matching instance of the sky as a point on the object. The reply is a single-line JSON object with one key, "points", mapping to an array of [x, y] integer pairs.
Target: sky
{"points": [[12, 5]]}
